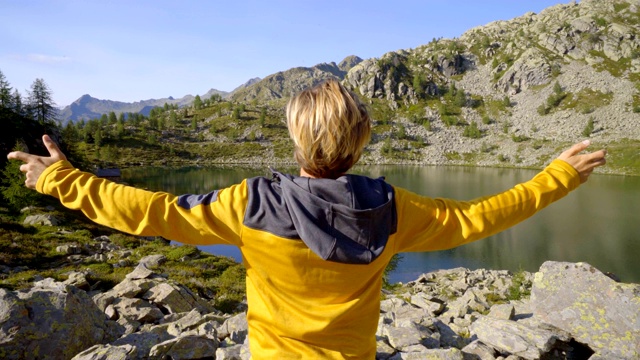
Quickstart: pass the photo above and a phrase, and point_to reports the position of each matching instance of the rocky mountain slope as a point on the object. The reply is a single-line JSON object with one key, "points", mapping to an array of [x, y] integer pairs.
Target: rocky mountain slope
{"points": [[557, 71], [283, 84]]}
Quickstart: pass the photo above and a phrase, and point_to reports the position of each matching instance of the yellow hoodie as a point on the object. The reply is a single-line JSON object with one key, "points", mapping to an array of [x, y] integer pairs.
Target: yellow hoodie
{"points": [[314, 249]]}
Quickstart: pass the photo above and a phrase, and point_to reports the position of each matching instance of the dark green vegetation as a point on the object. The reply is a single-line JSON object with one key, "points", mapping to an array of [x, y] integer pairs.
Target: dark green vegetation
{"points": [[31, 253]]}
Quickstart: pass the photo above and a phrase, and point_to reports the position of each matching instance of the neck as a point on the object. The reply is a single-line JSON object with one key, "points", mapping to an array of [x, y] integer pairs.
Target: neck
{"points": [[306, 174]]}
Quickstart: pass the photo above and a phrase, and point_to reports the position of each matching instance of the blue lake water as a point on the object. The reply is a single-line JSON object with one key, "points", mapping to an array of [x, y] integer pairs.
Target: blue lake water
{"points": [[599, 223]]}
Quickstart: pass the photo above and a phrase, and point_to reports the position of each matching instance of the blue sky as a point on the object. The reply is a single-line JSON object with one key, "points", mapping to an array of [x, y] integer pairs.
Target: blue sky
{"points": [[137, 50]]}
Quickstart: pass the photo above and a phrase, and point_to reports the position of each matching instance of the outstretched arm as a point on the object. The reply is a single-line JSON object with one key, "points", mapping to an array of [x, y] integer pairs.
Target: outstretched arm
{"points": [[427, 224], [132, 210], [34, 165]]}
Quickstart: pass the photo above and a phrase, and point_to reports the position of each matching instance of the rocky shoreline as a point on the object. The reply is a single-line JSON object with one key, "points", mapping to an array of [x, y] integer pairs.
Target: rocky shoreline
{"points": [[574, 311]]}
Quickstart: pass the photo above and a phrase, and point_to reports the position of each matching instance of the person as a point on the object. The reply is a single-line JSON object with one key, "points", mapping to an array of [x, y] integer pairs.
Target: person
{"points": [[315, 245]]}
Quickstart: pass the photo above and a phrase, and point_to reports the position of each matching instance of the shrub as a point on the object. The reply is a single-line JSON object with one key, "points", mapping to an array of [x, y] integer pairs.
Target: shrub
{"points": [[387, 147], [391, 266], [402, 132], [13, 189], [182, 251], [426, 124], [588, 129], [472, 131], [519, 138]]}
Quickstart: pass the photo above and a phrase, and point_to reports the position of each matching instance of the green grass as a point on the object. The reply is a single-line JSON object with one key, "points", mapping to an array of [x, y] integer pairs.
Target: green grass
{"points": [[520, 287], [615, 68], [586, 101], [623, 157]]}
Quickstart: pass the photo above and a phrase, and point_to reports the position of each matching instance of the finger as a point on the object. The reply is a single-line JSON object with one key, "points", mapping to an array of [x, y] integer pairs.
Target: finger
{"points": [[577, 148], [52, 147], [596, 156], [19, 155]]}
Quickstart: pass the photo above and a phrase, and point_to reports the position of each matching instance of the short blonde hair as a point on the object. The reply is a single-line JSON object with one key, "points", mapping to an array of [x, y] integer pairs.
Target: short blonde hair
{"points": [[330, 127]]}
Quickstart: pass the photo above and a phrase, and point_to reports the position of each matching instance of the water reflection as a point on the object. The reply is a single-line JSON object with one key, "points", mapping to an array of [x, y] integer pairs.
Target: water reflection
{"points": [[597, 224]]}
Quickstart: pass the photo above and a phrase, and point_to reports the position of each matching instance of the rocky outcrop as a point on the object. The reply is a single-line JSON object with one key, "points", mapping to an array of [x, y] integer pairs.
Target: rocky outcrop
{"points": [[51, 320], [287, 83], [574, 44], [565, 294], [575, 312]]}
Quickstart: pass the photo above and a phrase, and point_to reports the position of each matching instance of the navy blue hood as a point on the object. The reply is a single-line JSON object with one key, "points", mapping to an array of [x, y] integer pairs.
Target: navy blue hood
{"points": [[346, 220]]}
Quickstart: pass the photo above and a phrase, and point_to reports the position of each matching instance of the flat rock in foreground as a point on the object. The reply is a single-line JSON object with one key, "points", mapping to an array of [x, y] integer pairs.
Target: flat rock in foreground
{"points": [[594, 308]]}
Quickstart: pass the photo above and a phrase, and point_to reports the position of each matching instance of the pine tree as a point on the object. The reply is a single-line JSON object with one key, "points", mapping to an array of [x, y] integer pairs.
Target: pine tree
{"points": [[263, 117], [41, 104], [197, 102], [18, 107], [6, 100]]}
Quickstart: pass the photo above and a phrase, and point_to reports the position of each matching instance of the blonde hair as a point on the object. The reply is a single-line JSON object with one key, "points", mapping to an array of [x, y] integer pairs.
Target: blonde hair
{"points": [[330, 127]]}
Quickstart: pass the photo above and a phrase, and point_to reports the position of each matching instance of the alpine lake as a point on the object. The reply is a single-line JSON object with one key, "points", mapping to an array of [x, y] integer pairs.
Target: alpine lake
{"points": [[599, 223]]}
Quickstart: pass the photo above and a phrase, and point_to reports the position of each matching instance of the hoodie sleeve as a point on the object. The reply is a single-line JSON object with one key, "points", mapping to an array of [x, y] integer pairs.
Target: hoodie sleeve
{"points": [[215, 218], [427, 224]]}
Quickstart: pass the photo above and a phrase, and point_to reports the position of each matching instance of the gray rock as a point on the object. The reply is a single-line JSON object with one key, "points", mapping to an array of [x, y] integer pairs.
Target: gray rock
{"points": [[140, 272], [69, 249], [126, 288], [383, 349], [236, 328], [476, 350], [429, 354], [400, 338], [502, 311], [433, 305], [143, 342], [137, 310], [234, 352], [175, 298], [51, 320], [515, 338], [591, 306], [108, 352], [77, 279], [41, 219], [153, 261], [186, 347]]}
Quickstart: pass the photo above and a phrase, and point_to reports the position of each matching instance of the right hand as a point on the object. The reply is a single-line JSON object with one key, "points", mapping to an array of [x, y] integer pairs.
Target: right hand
{"points": [[583, 163], [35, 165]]}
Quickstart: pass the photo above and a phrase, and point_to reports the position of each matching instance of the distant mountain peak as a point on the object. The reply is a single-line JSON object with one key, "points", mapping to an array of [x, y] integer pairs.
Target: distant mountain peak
{"points": [[87, 107]]}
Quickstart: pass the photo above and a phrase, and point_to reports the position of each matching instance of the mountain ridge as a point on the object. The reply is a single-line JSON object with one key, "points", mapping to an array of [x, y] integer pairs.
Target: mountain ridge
{"points": [[87, 107]]}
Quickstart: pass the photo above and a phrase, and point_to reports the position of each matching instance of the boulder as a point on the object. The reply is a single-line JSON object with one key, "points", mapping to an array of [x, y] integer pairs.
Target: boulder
{"points": [[51, 320], [186, 347], [175, 298], [595, 309], [137, 310], [234, 352], [517, 339], [108, 352], [236, 328], [153, 261]]}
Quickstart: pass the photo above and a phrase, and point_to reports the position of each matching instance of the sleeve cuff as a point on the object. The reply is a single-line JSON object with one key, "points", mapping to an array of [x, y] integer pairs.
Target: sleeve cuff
{"points": [[565, 173], [40, 185]]}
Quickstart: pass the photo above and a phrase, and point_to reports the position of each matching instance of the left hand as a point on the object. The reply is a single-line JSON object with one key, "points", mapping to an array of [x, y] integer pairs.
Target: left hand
{"points": [[35, 165], [583, 163]]}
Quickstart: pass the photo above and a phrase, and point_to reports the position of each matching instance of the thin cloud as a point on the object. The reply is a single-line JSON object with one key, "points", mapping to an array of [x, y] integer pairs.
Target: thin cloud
{"points": [[46, 59]]}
